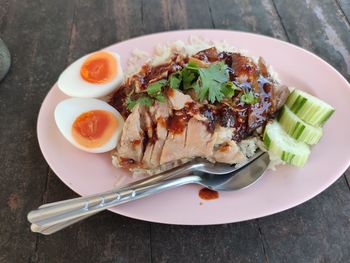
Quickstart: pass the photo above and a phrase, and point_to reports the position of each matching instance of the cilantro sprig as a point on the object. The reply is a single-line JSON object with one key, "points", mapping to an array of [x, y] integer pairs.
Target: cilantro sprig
{"points": [[142, 101], [211, 83], [249, 98], [154, 92], [228, 89], [175, 80]]}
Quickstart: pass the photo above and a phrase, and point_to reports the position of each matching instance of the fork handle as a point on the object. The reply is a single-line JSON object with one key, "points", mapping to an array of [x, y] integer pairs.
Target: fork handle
{"points": [[65, 213], [48, 230]]}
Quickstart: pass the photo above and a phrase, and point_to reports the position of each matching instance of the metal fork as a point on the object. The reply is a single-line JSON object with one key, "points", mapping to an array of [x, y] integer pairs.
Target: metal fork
{"points": [[50, 218]]}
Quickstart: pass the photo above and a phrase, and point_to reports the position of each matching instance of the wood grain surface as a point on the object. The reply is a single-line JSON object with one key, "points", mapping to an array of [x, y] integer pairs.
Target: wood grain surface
{"points": [[45, 36]]}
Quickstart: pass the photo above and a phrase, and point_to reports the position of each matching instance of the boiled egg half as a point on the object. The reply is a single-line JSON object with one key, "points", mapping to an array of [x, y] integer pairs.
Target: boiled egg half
{"points": [[92, 76], [91, 125]]}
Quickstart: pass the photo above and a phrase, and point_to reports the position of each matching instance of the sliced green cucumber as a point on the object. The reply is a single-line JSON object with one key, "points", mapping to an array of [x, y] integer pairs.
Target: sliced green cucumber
{"points": [[309, 108], [297, 128], [281, 144]]}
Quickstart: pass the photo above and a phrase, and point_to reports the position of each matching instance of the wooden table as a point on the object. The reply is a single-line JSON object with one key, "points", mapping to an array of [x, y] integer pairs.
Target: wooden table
{"points": [[45, 36]]}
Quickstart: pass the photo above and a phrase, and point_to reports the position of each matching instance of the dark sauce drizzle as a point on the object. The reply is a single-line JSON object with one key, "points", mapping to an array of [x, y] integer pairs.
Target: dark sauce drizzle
{"points": [[244, 118]]}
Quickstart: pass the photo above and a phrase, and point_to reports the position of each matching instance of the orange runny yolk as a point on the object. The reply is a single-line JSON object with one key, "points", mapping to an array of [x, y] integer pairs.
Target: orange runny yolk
{"points": [[100, 67], [94, 128]]}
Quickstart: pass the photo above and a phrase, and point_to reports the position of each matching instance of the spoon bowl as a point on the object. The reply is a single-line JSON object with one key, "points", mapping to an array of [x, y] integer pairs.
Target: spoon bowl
{"points": [[53, 217]]}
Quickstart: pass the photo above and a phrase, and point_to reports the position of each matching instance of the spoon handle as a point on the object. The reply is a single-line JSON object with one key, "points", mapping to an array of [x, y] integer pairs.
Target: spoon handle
{"points": [[52, 218]]}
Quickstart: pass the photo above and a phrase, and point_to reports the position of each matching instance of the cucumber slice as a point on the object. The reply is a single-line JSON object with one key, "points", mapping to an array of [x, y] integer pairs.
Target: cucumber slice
{"points": [[297, 128], [309, 108], [281, 144]]}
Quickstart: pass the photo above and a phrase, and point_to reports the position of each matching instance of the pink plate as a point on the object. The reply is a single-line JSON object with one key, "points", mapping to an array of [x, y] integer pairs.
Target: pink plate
{"points": [[277, 191]]}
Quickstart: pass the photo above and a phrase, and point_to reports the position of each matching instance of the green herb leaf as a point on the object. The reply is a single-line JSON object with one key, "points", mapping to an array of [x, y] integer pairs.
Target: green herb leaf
{"points": [[160, 98], [192, 66], [175, 80], [189, 77], [155, 88], [249, 98], [228, 89], [212, 79], [145, 101], [130, 103], [196, 86], [142, 101]]}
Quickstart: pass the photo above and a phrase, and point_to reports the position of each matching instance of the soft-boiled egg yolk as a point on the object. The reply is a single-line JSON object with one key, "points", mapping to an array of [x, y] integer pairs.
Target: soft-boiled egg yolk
{"points": [[100, 67], [94, 128], [95, 75], [91, 125]]}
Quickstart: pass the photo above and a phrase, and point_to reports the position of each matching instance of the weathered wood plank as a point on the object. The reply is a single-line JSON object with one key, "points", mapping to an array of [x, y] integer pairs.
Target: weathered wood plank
{"points": [[222, 243], [248, 15], [93, 28], [39, 33], [22, 167], [174, 15], [106, 237], [317, 231], [222, 17], [318, 29], [347, 176], [233, 242], [345, 7], [154, 17], [4, 14]]}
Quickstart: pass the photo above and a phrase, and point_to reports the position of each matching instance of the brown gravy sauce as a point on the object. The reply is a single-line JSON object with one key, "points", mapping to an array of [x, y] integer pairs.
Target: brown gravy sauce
{"points": [[207, 194]]}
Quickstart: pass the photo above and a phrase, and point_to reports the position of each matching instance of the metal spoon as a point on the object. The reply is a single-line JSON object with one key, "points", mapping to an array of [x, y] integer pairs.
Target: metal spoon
{"points": [[51, 218]]}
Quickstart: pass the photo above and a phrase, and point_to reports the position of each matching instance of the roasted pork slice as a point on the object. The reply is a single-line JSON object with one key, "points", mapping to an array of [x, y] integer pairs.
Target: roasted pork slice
{"points": [[174, 147], [150, 135], [157, 151], [177, 99], [159, 112], [193, 141], [174, 125], [282, 93], [146, 160], [130, 148], [208, 55], [199, 141], [228, 152]]}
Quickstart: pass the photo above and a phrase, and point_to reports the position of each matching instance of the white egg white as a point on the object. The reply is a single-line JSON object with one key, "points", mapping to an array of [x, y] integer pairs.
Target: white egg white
{"points": [[72, 84], [68, 110]]}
